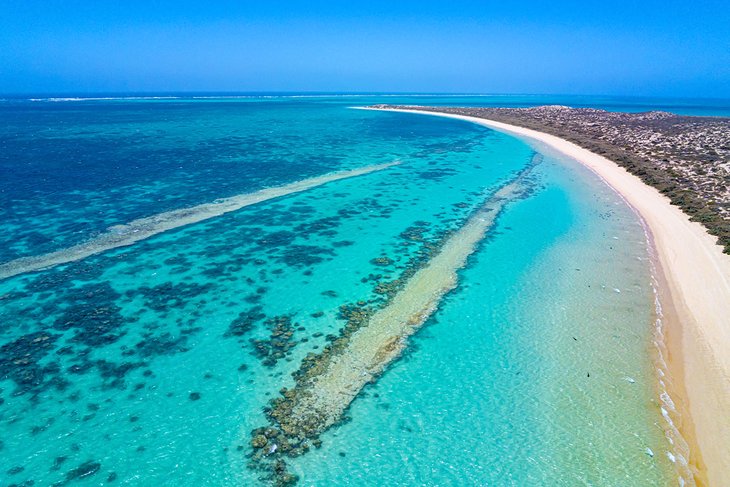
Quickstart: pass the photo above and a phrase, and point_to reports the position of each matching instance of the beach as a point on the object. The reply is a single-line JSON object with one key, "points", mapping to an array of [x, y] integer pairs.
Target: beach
{"points": [[481, 313], [694, 290], [233, 254]]}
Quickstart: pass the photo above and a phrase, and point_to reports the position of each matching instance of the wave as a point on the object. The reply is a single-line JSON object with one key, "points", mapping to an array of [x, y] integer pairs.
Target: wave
{"points": [[251, 96], [105, 98]]}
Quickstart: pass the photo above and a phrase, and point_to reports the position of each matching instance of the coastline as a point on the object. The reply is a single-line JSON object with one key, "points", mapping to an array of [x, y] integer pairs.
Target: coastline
{"points": [[693, 288]]}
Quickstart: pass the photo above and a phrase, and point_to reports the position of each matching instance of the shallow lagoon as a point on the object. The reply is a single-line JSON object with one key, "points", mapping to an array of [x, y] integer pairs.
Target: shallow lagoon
{"points": [[151, 364]]}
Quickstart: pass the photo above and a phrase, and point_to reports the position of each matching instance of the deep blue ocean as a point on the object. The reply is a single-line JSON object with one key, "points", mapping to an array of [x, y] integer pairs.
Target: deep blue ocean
{"points": [[151, 364]]}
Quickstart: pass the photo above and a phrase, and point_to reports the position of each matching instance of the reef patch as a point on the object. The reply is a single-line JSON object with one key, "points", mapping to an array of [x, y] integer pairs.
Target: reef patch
{"points": [[143, 228], [373, 337]]}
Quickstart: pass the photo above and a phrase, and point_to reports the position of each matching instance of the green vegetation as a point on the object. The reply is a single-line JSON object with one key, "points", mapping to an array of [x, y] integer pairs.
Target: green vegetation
{"points": [[681, 156]]}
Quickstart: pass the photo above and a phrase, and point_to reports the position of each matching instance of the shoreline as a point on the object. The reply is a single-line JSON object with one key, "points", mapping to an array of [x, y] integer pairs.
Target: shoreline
{"points": [[693, 290]]}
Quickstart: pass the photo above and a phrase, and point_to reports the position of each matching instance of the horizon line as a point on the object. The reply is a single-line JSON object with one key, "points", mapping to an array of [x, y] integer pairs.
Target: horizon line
{"points": [[255, 93]]}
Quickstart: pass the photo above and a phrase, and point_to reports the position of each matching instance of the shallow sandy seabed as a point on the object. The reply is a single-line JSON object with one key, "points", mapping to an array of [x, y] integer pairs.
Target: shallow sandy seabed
{"points": [[695, 293], [374, 346]]}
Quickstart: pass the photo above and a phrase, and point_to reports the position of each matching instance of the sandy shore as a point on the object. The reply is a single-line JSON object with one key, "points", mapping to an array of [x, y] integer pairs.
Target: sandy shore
{"points": [[694, 276]]}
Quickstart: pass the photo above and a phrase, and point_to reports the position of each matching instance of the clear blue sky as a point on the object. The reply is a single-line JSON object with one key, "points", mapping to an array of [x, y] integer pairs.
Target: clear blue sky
{"points": [[555, 46]]}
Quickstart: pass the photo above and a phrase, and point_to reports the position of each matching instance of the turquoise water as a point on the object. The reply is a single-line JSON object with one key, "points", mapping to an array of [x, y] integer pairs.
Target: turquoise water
{"points": [[151, 364], [495, 390]]}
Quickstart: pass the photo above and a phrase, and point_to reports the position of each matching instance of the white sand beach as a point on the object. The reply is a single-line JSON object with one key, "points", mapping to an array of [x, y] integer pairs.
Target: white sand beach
{"points": [[694, 277]]}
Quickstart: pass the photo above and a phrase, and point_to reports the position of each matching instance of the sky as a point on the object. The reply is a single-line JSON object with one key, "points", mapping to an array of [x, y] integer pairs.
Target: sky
{"points": [[645, 48]]}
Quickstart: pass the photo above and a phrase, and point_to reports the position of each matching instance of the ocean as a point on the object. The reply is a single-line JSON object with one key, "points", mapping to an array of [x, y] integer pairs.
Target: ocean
{"points": [[154, 362]]}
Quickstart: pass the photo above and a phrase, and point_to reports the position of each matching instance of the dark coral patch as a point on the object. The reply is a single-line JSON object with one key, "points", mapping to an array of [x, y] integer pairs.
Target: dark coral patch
{"points": [[94, 316], [280, 341], [165, 344], [20, 361], [304, 255], [170, 295], [86, 469], [245, 322]]}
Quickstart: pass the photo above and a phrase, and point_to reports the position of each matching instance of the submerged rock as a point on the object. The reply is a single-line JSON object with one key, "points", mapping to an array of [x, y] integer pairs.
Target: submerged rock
{"points": [[245, 322], [372, 337], [86, 469], [382, 261], [259, 441], [280, 342]]}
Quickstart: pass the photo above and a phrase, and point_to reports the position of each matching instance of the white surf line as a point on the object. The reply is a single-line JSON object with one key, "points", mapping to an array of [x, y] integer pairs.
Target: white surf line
{"points": [[321, 401], [143, 228]]}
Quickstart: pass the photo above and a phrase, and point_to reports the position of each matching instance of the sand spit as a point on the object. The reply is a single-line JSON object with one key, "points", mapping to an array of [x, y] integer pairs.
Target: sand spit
{"points": [[143, 228], [695, 295], [329, 382]]}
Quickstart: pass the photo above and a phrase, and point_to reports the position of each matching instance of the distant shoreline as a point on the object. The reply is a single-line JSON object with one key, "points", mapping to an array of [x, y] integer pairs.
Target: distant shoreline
{"points": [[693, 280]]}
